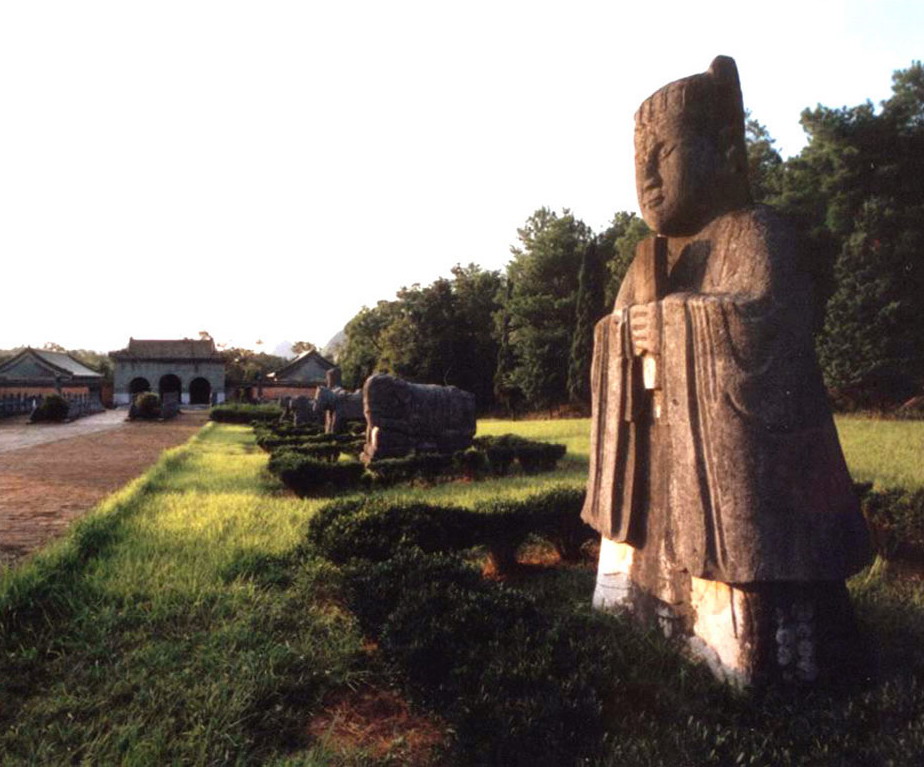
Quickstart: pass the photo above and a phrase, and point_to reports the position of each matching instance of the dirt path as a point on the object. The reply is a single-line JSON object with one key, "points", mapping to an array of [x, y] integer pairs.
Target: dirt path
{"points": [[43, 487]]}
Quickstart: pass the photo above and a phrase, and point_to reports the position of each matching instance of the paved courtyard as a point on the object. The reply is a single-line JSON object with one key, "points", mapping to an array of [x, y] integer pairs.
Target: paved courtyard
{"points": [[17, 433], [51, 474]]}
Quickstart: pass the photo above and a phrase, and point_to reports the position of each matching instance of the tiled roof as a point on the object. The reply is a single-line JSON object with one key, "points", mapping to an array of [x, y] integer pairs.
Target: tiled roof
{"points": [[66, 362], [180, 349], [44, 363], [298, 362]]}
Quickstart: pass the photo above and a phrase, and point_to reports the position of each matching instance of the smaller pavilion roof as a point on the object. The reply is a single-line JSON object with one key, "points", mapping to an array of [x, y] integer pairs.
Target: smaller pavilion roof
{"points": [[40, 363], [306, 366]]}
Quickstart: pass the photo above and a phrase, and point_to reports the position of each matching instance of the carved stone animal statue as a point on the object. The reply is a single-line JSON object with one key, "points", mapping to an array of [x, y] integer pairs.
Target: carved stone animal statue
{"points": [[304, 411], [402, 416], [338, 407]]}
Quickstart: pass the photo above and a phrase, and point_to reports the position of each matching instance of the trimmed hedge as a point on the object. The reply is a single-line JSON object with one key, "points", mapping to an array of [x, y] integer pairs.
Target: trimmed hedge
{"points": [[896, 521], [376, 529], [426, 467], [308, 443], [309, 476], [553, 515], [518, 686], [534, 457], [243, 413]]}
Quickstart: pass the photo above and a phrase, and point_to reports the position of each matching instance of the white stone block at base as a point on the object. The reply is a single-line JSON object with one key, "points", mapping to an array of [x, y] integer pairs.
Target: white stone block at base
{"points": [[718, 636], [614, 585], [717, 640]]}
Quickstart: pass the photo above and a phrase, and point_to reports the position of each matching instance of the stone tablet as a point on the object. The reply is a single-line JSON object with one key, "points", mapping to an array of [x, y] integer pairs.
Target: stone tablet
{"points": [[716, 477]]}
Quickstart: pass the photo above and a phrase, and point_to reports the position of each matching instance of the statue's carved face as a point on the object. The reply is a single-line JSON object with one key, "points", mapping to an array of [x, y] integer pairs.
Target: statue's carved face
{"points": [[676, 174]]}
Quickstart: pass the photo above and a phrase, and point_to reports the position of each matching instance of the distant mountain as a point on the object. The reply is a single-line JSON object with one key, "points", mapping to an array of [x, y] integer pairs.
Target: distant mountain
{"points": [[332, 348], [284, 349]]}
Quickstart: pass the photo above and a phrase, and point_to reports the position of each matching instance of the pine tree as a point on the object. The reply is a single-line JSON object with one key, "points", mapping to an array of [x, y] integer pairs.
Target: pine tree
{"points": [[590, 308]]}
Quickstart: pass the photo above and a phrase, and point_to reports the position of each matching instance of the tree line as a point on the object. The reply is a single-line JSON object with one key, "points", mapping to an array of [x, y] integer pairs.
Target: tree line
{"points": [[523, 337]]}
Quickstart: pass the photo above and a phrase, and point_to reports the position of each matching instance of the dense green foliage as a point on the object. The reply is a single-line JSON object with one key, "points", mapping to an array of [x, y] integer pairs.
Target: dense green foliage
{"points": [[440, 334], [855, 194], [241, 412], [145, 406], [896, 519], [376, 528], [310, 466], [514, 681], [541, 307], [246, 366], [857, 190], [54, 407]]}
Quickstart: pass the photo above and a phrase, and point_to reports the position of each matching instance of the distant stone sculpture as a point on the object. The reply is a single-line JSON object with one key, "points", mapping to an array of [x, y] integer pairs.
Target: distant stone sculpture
{"points": [[338, 407], [402, 417], [304, 411], [169, 405], [716, 477], [332, 378]]}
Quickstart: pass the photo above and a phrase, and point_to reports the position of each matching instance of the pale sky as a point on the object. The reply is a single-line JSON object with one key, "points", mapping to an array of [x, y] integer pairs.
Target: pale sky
{"points": [[262, 170]]}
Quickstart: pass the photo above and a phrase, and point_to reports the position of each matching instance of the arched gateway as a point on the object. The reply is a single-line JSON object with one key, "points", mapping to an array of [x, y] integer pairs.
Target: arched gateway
{"points": [[194, 369], [139, 385], [200, 391]]}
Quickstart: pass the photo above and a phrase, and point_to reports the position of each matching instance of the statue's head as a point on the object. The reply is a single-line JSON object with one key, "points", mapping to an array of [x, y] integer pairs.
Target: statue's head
{"points": [[690, 156]]}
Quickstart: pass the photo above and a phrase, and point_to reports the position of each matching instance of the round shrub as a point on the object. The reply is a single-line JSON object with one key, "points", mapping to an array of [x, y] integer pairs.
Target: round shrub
{"points": [[54, 407], [896, 520], [146, 405], [500, 458], [555, 514]]}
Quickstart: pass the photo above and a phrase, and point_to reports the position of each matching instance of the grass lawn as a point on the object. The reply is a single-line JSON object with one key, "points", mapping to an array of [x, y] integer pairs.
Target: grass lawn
{"points": [[139, 639], [887, 453], [181, 622]]}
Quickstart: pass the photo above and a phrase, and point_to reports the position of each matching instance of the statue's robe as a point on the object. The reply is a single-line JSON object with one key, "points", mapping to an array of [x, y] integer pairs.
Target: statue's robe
{"points": [[755, 486]]}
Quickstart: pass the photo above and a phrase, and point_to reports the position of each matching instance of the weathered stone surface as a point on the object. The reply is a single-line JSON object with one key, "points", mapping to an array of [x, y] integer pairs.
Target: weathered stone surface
{"points": [[401, 417], [169, 405], [714, 457], [304, 411], [332, 378], [338, 407]]}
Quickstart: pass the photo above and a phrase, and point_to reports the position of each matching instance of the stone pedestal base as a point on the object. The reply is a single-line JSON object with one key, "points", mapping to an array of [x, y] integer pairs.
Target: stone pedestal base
{"points": [[789, 632]]}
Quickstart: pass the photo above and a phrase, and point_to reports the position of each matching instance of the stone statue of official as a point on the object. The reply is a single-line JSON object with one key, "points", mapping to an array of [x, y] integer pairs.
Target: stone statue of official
{"points": [[716, 476]]}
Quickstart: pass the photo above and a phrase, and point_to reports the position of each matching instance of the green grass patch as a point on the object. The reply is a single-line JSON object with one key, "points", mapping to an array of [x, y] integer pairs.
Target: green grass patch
{"points": [[886, 453], [169, 627]]}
